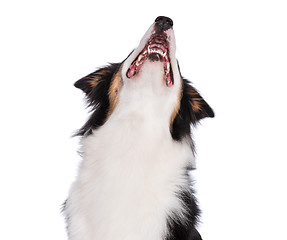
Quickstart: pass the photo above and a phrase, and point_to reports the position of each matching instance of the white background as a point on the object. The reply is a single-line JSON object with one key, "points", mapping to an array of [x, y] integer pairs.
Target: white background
{"points": [[233, 51]]}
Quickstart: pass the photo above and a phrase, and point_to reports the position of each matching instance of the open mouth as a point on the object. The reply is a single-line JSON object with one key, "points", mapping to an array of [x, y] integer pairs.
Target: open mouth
{"points": [[155, 50]]}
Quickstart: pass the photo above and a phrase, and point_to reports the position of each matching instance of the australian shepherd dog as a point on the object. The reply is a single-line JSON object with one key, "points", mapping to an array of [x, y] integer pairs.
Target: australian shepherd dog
{"points": [[137, 152]]}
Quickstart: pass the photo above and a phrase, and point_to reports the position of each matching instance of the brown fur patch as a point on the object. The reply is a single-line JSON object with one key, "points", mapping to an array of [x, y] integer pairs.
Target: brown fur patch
{"points": [[195, 104], [94, 82], [195, 99], [177, 107], [114, 91], [99, 74]]}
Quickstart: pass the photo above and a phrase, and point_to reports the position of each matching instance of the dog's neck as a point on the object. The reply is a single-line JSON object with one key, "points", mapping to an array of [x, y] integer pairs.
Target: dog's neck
{"points": [[146, 99]]}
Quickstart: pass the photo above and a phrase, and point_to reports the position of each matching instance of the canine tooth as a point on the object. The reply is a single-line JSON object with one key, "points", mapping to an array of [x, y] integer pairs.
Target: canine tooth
{"points": [[148, 49], [140, 57], [167, 67], [165, 57]]}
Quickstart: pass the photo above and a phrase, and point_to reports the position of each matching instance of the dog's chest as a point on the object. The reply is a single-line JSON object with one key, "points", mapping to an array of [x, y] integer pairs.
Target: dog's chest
{"points": [[129, 179]]}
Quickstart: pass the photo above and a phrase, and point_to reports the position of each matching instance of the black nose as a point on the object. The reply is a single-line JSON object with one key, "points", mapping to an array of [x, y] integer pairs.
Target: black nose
{"points": [[163, 23]]}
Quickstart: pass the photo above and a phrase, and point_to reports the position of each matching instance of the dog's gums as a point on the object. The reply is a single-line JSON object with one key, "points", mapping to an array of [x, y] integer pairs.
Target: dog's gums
{"points": [[155, 50]]}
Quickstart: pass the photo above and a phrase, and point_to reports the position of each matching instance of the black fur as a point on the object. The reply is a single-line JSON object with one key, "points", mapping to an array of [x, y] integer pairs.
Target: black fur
{"points": [[185, 231]]}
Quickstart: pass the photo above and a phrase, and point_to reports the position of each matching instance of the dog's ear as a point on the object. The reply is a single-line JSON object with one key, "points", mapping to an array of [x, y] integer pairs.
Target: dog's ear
{"points": [[97, 87], [198, 107], [88, 82], [91, 81]]}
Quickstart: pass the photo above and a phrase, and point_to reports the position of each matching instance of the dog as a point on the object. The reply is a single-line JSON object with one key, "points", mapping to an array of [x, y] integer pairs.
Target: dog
{"points": [[137, 151]]}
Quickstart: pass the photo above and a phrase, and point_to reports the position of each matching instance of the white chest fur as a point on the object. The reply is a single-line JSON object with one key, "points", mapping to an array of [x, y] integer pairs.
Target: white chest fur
{"points": [[130, 174]]}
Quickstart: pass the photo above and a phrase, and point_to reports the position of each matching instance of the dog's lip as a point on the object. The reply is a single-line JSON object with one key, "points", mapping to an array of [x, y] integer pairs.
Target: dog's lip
{"points": [[156, 49]]}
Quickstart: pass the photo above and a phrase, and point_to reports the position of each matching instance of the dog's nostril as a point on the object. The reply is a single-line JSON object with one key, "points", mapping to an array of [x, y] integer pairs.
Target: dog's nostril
{"points": [[163, 23], [170, 22]]}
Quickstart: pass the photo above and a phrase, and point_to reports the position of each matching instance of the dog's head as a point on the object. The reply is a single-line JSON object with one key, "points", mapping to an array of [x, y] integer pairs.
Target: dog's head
{"points": [[149, 78]]}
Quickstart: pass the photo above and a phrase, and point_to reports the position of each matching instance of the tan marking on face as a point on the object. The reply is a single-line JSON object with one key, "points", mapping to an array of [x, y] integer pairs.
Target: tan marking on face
{"points": [[114, 91], [177, 107]]}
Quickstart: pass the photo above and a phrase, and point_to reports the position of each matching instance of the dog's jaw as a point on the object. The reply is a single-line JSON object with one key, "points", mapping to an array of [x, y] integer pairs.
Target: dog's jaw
{"points": [[151, 77], [157, 47]]}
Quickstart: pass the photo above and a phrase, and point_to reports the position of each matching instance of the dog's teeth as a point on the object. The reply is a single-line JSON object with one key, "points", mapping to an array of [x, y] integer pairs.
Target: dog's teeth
{"points": [[138, 63], [167, 67], [153, 50], [148, 50], [156, 50], [165, 57], [140, 58], [159, 51]]}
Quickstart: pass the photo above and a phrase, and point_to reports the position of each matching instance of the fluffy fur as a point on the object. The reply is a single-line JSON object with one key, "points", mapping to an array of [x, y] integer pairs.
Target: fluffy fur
{"points": [[133, 181]]}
